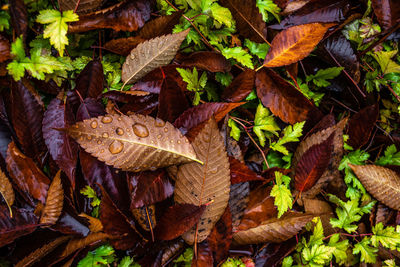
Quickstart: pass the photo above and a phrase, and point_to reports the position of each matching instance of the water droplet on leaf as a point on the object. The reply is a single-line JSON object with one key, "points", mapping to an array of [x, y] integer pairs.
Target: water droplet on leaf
{"points": [[119, 131], [159, 122], [116, 147], [106, 119], [105, 135], [140, 130], [93, 124]]}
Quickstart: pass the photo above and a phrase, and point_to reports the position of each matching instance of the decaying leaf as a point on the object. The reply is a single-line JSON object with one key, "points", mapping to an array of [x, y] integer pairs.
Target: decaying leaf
{"points": [[134, 143], [160, 26], [361, 125], [238, 200], [84, 6], [274, 230], [54, 201], [207, 60], [294, 44], [95, 224], [7, 191], [387, 12], [80, 243], [240, 87], [150, 55], [205, 184], [146, 217], [381, 182]]}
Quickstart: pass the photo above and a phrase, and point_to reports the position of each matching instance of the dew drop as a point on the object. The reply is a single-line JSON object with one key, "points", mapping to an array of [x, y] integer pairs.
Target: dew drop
{"points": [[172, 141], [102, 151], [99, 142], [119, 131], [105, 135], [159, 123], [214, 171], [93, 124], [116, 147], [140, 130], [89, 137], [159, 136], [106, 119], [179, 141], [165, 129]]}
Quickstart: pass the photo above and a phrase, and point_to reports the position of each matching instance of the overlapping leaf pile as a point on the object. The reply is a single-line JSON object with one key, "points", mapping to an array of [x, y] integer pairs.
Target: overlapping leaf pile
{"points": [[190, 132]]}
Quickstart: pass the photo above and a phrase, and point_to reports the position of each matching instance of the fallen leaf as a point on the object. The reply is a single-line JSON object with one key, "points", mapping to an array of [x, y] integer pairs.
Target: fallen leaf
{"points": [[361, 125], [204, 256], [238, 201], [54, 201], [123, 46], [83, 6], [382, 183], [205, 184], [240, 87], [387, 12], [146, 217], [162, 25], [7, 191], [241, 173], [207, 60], [150, 55], [95, 224], [90, 81], [19, 17], [4, 49], [80, 243], [323, 210], [134, 143], [173, 249], [177, 220], [294, 44], [220, 238]]}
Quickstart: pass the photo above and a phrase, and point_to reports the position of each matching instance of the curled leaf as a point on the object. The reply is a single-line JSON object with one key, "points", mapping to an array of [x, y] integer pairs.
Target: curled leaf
{"points": [[54, 201]]}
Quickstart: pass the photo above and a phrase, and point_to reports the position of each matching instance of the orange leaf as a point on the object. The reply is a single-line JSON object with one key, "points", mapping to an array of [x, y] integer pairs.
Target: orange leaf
{"points": [[54, 201]]}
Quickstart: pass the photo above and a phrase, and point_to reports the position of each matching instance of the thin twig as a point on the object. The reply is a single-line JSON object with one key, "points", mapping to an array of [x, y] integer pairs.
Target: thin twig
{"points": [[77, 5]]}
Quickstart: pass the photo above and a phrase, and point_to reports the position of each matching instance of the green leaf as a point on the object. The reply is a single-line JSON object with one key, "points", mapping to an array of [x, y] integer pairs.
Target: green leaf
{"points": [[57, 26], [239, 54], [389, 263], [384, 60], [340, 252], [4, 20], [235, 131], [290, 134], [103, 255], [128, 262], [224, 78], [318, 233], [264, 124], [221, 14], [321, 77], [268, 6], [260, 50], [17, 49], [391, 157], [318, 255], [287, 261], [90, 193], [185, 258], [368, 253], [194, 84], [388, 237], [281, 193], [232, 262]]}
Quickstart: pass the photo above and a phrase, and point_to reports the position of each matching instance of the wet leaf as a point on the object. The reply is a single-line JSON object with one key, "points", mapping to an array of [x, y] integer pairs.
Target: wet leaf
{"points": [[6, 191], [274, 230], [80, 243], [205, 184], [313, 164], [206, 60], [4, 49], [240, 87], [146, 217], [248, 19], [62, 148], [150, 55], [204, 256], [124, 16], [160, 26], [54, 201], [123, 46], [294, 44], [84, 6], [89, 82], [241, 173], [284, 100], [382, 183], [31, 181], [386, 11], [220, 238], [177, 220], [95, 224], [238, 200], [134, 143], [19, 17], [361, 125]]}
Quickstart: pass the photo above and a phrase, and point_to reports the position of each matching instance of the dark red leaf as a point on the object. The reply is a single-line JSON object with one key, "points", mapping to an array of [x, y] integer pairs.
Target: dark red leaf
{"points": [[115, 223], [150, 187], [145, 107], [248, 19], [123, 46], [240, 87], [160, 26], [172, 101], [220, 238], [127, 96], [387, 12], [4, 49], [238, 200], [269, 174], [62, 148], [19, 17], [207, 60], [89, 108], [5, 139], [89, 82], [361, 125], [204, 256], [313, 164], [241, 173], [22, 223], [31, 181], [27, 117], [326, 122], [49, 87], [177, 220], [124, 16], [284, 100]]}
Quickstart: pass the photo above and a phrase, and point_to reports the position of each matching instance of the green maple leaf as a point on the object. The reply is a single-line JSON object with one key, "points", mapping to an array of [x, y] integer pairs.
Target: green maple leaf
{"points": [[239, 54], [260, 50], [57, 27], [266, 6], [391, 157], [222, 15], [321, 77], [264, 124], [387, 236], [235, 131], [385, 62], [340, 252], [290, 134], [103, 255], [194, 83], [317, 255], [281, 193], [368, 253]]}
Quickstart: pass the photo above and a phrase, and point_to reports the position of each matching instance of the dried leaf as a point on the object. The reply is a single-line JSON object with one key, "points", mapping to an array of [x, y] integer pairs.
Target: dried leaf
{"points": [[80, 243], [361, 125], [313, 164], [248, 19], [382, 183], [274, 230], [54, 201], [150, 55], [31, 181], [6, 191], [172, 250], [134, 143], [241, 173], [95, 224], [387, 12], [177, 220], [84, 6], [146, 217], [205, 184], [238, 200], [284, 100], [123, 46], [220, 238], [89, 82], [294, 44], [124, 16], [240, 87], [207, 60]]}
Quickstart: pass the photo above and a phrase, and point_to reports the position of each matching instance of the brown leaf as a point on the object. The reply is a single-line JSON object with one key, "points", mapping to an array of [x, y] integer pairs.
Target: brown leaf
{"points": [[173, 249], [123, 46], [294, 44], [313, 164], [204, 256], [95, 224], [54, 201], [241, 173], [240, 87], [134, 143], [31, 181], [382, 183], [323, 210], [41, 252], [177, 220], [207, 60], [19, 17], [4, 49], [220, 238], [248, 19], [387, 12], [160, 26], [238, 200], [150, 55], [284, 100], [205, 184], [90, 80], [146, 217], [84, 6], [274, 230], [6, 191], [361, 125], [124, 16], [80, 243]]}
